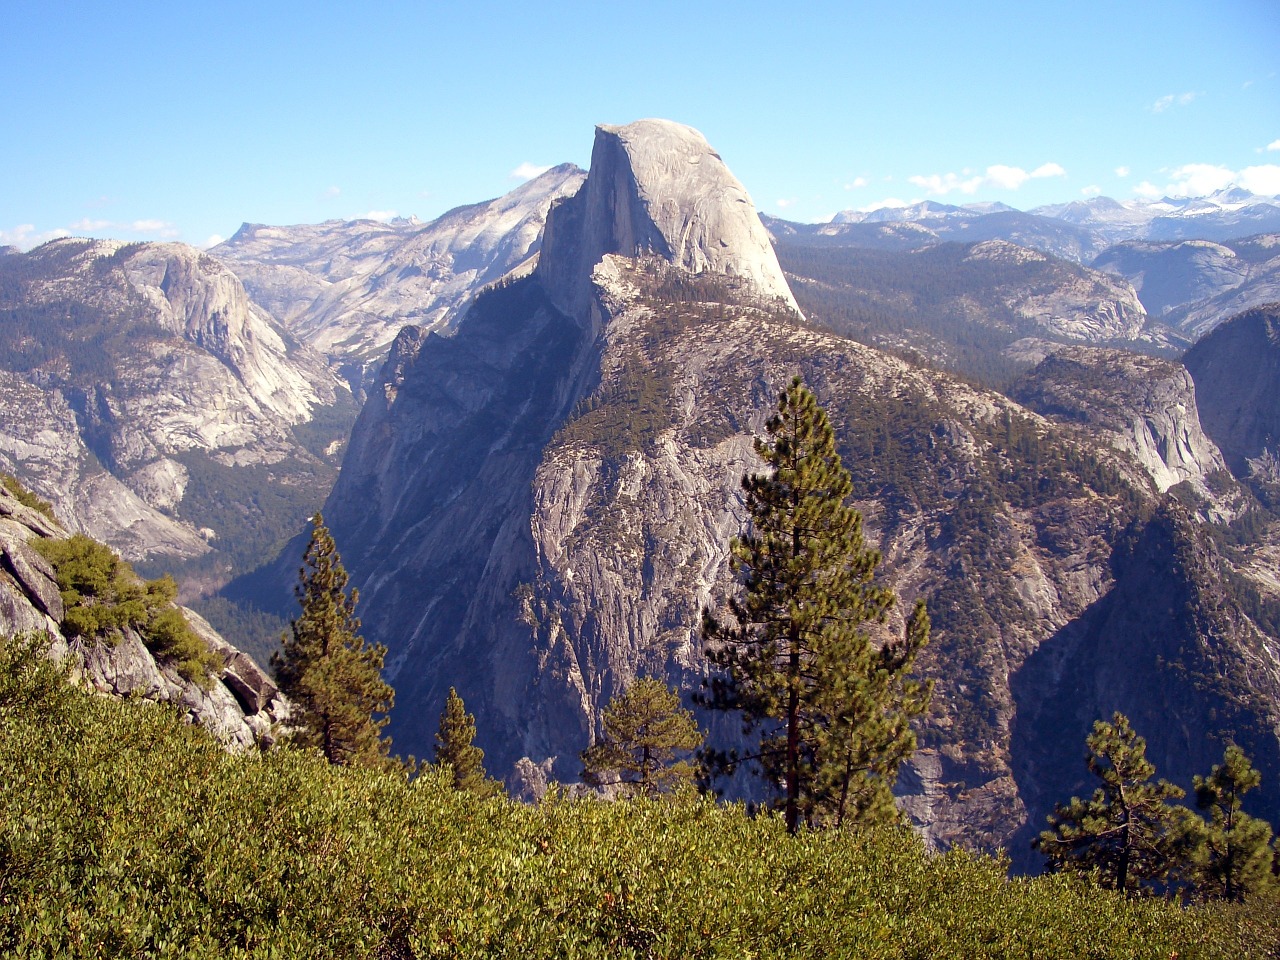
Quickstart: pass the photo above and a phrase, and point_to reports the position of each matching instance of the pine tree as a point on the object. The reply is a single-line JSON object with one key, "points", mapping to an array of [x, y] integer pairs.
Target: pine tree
{"points": [[332, 676], [1235, 851], [833, 710], [1127, 831], [645, 730], [455, 746]]}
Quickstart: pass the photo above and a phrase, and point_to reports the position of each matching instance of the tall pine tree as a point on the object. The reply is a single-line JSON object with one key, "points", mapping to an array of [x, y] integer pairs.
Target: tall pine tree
{"points": [[332, 676], [455, 746], [832, 709], [1127, 831], [1235, 854]]}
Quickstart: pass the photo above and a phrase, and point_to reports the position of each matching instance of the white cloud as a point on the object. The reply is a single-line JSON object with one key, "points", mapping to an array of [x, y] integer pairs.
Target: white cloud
{"points": [[382, 215], [785, 203], [1092, 190], [1172, 100], [527, 171], [1198, 179], [213, 241], [90, 226], [332, 192], [1274, 145], [160, 227], [1148, 190], [998, 176], [1122, 171], [857, 183], [1264, 179]]}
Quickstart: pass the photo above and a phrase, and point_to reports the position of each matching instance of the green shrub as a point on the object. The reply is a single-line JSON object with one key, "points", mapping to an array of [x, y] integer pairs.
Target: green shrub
{"points": [[103, 596], [26, 497], [124, 832]]}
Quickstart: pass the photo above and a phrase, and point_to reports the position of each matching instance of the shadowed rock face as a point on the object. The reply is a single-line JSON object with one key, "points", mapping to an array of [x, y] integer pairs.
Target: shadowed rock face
{"points": [[537, 510], [1236, 369]]}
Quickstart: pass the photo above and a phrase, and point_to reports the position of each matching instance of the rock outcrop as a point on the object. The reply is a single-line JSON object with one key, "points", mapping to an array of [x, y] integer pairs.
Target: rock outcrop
{"points": [[656, 187], [1146, 407], [240, 705]]}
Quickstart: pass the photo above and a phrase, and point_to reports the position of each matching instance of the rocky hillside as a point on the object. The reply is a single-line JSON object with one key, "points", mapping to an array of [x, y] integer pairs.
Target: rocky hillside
{"points": [[988, 309], [346, 288], [157, 407], [537, 509], [238, 703], [1194, 285]]}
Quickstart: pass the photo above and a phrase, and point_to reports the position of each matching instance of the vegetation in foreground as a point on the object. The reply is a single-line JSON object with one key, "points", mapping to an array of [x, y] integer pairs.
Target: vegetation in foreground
{"points": [[124, 833]]}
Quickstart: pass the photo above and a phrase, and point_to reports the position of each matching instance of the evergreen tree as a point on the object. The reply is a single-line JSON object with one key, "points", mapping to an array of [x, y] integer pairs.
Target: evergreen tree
{"points": [[455, 746], [1127, 831], [1235, 852], [332, 676], [832, 709], [645, 730]]}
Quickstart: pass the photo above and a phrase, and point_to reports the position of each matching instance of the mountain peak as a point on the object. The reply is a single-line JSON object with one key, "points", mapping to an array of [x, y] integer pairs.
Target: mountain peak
{"points": [[657, 187]]}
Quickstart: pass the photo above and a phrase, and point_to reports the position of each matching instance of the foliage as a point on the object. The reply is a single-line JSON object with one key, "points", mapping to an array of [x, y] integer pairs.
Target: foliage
{"points": [[103, 596], [1127, 832], [455, 748], [798, 660], [26, 497], [1236, 855], [645, 730], [325, 667], [126, 833]]}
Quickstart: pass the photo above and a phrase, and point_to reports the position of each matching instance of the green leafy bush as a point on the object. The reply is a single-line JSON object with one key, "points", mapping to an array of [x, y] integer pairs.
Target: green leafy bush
{"points": [[124, 832]]}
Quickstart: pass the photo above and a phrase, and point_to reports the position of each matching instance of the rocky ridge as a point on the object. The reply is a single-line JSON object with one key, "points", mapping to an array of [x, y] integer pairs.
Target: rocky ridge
{"points": [[240, 706], [346, 288]]}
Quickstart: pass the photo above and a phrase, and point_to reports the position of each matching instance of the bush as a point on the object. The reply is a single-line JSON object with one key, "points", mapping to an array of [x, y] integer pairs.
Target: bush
{"points": [[124, 832], [103, 597]]}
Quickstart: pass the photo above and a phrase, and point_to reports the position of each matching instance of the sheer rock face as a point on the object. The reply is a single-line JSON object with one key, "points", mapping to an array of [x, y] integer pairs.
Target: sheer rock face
{"points": [[1146, 406], [346, 288], [1237, 375], [157, 354], [657, 187], [537, 510], [241, 706]]}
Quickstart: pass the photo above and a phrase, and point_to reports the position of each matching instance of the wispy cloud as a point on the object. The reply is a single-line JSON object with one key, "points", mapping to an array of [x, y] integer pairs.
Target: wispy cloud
{"points": [[1273, 145], [213, 241], [332, 193], [1173, 100], [1201, 179], [382, 215], [1092, 190], [998, 176], [887, 203], [856, 183], [1122, 171], [24, 236], [783, 204], [527, 171]]}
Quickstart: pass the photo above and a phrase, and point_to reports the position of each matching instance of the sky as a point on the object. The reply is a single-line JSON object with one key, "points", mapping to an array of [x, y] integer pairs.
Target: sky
{"points": [[177, 121]]}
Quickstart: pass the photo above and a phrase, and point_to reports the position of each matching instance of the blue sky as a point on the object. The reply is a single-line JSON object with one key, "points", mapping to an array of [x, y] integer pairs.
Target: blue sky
{"points": [[180, 121]]}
